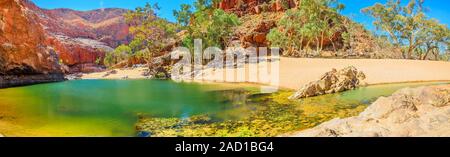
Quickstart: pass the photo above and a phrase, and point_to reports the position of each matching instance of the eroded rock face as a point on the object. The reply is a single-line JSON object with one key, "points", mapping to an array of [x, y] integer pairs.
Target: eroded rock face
{"points": [[104, 25], [81, 38], [423, 111], [79, 52], [332, 82], [23, 52], [242, 7], [22, 48]]}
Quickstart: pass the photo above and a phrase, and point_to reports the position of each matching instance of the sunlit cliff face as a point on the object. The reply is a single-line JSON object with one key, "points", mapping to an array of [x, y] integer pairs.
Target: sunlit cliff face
{"points": [[22, 42]]}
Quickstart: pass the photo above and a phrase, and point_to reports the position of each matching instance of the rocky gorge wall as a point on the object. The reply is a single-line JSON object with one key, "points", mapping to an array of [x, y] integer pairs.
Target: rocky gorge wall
{"points": [[258, 17], [24, 56], [80, 38]]}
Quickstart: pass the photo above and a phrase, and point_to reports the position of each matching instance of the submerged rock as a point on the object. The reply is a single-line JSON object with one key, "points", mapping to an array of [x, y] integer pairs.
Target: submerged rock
{"points": [[332, 82], [144, 134], [423, 111]]}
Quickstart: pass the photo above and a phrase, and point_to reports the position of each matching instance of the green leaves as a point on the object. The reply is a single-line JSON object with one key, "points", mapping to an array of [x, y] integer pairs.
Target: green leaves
{"points": [[408, 27], [122, 52], [149, 31], [151, 35], [183, 16], [313, 20], [213, 26]]}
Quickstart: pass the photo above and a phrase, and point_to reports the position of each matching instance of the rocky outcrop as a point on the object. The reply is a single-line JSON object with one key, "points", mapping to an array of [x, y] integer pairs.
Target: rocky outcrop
{"points": [[254, 29], [423, 111], [258, 17], [104, 25], [245, 7], [82, 37], [332, 82], [23, 52], [80, 52]]}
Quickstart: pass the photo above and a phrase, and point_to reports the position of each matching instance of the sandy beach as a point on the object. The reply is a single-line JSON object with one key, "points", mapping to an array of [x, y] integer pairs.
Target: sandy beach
{"points": [[129, 73], [295, 72]]}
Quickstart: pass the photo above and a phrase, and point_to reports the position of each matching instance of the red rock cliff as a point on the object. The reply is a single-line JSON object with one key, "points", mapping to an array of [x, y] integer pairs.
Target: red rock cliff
{"points": [[241, 7], [81, 38], [22, 40], [23, 51]]}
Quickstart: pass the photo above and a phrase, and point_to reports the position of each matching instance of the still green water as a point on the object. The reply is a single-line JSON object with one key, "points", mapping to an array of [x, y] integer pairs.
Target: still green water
{"points": [[111, 108]]}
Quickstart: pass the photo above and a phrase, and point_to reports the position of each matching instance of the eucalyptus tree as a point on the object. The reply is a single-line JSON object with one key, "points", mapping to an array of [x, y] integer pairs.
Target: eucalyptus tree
{"points": [[214, 26], [435, 36], [151, 33], [403, 24], [312, 22]]}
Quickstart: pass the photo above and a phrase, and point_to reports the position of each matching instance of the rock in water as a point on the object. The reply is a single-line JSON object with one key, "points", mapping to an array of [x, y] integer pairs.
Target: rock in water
{"points": [[423, 111], [144, 134], [332, 82]]}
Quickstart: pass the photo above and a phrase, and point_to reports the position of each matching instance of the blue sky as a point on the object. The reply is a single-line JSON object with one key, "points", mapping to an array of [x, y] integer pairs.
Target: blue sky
{"points": [[437, 8], [167, 6]]}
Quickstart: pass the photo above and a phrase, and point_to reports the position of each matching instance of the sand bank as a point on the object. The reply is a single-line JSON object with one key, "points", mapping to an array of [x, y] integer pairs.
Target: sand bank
{"points": [[295, 72]]}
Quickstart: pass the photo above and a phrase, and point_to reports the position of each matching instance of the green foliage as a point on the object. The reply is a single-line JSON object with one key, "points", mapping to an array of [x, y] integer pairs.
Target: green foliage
{"points": [[409, 28], [313, 21], [98, 61], [151, 35], [148, 30], [121, 53], [213, 26], [445, 56], [184, 15]]}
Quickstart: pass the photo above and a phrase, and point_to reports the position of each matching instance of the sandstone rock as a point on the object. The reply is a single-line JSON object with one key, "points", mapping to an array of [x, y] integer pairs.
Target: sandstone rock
{"points": [[259, 38], [255, 29], [243, 7], [332, 82], [73, 51], [21, 40], [105, 25], [277, 6], [81, 37], [23, 53], [423, 111]]}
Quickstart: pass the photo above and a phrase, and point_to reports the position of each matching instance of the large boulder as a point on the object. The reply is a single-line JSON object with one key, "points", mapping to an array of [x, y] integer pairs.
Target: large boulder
{"points": [[423, 111], [332, 82]]}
